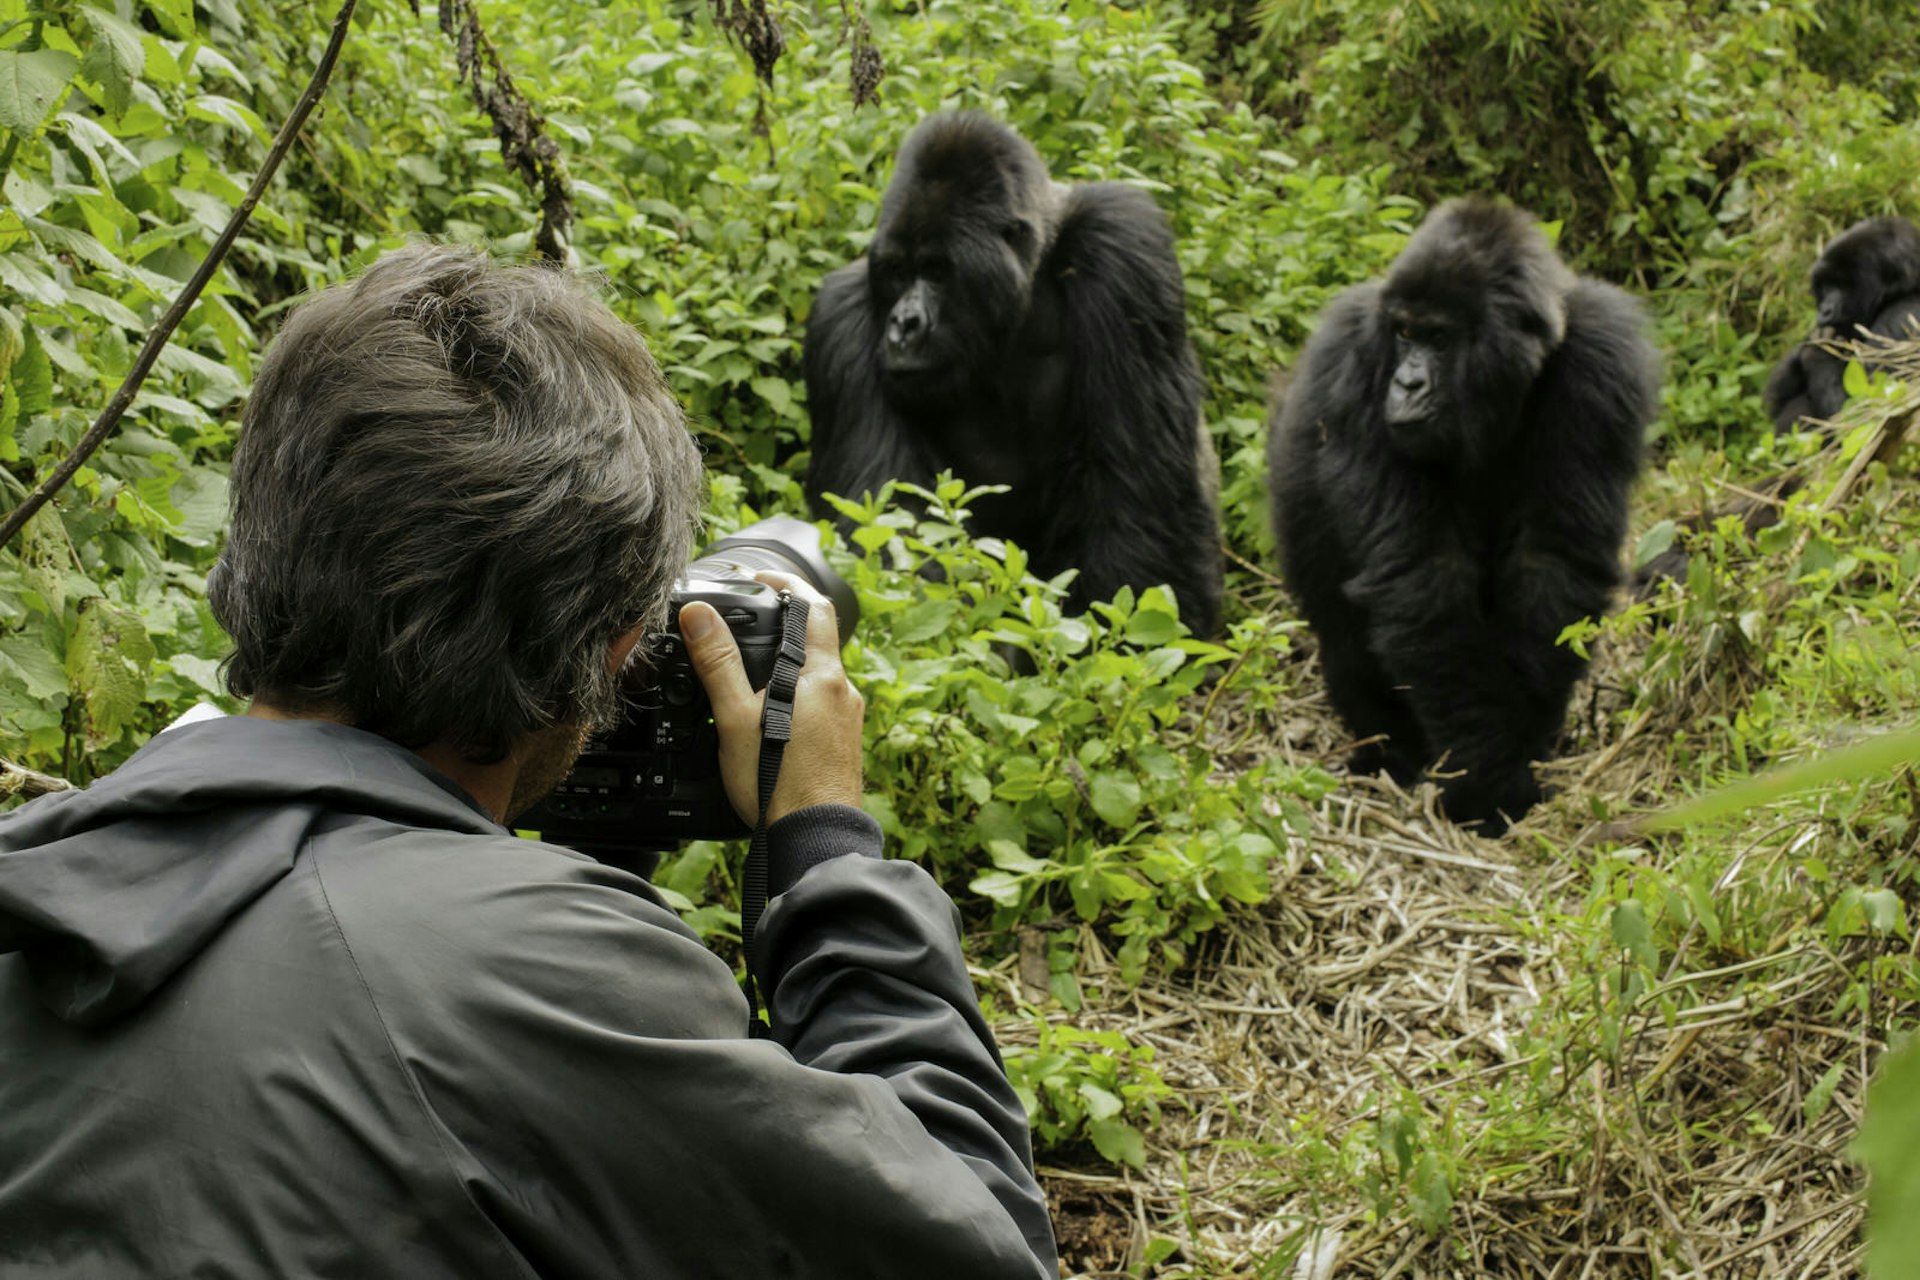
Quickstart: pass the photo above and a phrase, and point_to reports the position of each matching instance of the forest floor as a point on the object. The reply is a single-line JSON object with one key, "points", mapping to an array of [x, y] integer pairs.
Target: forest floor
{"points": [[1400, 956], [1407, 978]]}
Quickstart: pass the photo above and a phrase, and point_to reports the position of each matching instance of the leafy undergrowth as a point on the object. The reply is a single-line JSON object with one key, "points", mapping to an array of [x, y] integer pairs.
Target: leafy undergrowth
{"points": [[1271, 1020]]}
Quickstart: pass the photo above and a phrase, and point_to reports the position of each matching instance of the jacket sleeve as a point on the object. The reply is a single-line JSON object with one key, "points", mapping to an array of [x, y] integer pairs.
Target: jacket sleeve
{"points": [[861, 961], [583, 1056]]}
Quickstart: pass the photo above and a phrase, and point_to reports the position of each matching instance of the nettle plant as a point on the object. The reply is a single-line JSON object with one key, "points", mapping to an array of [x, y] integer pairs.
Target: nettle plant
{"points": [[1087, 787], [1095, 1086]]}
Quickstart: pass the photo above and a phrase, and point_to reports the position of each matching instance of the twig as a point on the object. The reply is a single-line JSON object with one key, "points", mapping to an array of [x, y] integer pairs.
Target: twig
{"points": [[157, 340], [18, 780]]}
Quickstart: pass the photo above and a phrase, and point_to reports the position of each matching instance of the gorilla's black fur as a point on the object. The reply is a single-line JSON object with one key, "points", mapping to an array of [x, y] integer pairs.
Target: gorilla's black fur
{"points": [[1450, 469], [1867, 281], [1025, 333]]}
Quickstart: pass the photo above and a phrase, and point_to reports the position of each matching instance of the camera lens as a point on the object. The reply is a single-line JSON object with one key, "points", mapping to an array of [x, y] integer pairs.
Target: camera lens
{"points": [[785, 545]]}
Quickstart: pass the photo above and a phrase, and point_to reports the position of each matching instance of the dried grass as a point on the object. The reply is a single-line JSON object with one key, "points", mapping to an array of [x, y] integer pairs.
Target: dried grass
{"points": [[1399, 956]]}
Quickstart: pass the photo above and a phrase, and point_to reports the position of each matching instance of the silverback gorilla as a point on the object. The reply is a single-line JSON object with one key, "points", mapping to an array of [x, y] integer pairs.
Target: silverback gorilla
{"points": [[1450, 469], [1867, 281], [1020, 332]]}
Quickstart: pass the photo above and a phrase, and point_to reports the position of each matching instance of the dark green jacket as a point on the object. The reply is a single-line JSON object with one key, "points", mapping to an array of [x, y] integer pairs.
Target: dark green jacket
{"points": [[277, 999]]}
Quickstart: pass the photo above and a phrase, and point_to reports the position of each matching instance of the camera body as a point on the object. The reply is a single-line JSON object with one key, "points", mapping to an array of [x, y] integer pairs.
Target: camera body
{"points": [[654, 779]]}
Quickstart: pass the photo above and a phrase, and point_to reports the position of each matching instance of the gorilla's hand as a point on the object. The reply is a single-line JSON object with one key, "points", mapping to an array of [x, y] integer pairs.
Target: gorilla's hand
{"points": [[822, 762]]}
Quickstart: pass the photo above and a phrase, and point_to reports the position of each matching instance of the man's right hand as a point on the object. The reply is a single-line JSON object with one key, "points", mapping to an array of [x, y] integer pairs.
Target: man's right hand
{"points": [[822, 762]]}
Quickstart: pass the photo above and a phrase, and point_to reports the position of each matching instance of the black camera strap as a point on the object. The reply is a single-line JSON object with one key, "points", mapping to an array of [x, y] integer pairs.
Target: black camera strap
{"points": [[776, 728]]}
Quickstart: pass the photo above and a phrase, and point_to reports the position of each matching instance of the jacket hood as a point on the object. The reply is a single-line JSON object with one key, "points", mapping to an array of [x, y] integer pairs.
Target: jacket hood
{"points": [[107, 892]]}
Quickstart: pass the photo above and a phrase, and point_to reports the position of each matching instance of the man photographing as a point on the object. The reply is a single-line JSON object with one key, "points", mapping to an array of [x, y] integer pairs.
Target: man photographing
{"points": [[283, 996]]}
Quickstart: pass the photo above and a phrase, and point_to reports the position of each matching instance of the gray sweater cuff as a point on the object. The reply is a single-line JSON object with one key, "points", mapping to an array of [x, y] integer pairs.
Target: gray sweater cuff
{"points": [[819, 833]]}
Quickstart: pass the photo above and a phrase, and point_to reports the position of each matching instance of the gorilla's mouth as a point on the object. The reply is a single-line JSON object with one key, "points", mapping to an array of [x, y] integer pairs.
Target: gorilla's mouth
{"points": [[914, 366], [1417, 438], [1407, 414]]}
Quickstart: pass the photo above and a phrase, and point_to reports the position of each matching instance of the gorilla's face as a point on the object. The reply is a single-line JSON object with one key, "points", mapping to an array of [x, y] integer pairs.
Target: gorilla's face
{"points": [[1468, 316], [1420, 393], [1847, 293], [950, 286], [1863, 269]]}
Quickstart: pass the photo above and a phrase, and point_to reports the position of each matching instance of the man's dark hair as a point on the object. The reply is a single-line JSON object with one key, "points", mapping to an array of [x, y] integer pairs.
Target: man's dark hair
{"points": [[457, 482]]}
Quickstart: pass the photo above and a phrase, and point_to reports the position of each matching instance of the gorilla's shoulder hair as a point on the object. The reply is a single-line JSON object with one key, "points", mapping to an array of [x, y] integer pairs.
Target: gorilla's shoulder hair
{"points": [[1484, 264], [962, 159], [1884, 249]]}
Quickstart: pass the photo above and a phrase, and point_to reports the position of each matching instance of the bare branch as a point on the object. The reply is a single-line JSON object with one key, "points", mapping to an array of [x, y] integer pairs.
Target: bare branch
{"points": [[110, 416]]}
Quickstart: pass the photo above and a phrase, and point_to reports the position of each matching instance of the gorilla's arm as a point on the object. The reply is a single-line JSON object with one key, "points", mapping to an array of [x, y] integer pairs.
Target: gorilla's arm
{"points": [[1787, 394], [1132, 492], [1332, 495], [859, 443], [1900, 319]]}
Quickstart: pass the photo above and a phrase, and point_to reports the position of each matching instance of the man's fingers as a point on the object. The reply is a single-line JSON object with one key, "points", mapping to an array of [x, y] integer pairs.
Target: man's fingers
{"points": [[717, 660], [823, 625]]}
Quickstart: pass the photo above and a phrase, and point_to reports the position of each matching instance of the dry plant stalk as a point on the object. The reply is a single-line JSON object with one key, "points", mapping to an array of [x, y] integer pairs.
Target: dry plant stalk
{"points": [[525, 145]]}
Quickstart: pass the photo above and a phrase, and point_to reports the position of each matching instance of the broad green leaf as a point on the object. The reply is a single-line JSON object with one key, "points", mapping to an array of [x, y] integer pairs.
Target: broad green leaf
{"points": [[13, 341], [1855, 380], [1101, 1103], [1118, 1141], [1151, 628], [116, 58], [1883, 911], [205, 672], [924, 621], [1886, 1143], [1116, 797], [1815, 1104], [777, 392], [1433, 1194], [32, 85], [1003, 888], [1086, 887], [223, 110], [108, 658], [45, 559], [1009, 856], [175, 16], [35, 665], [200, 497], [1653, 543], [32, 375], [1705, 912], [1632, 933]]}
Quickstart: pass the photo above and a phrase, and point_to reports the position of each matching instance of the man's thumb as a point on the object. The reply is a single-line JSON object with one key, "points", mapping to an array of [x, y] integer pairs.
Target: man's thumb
{"points": [[717, 660]]}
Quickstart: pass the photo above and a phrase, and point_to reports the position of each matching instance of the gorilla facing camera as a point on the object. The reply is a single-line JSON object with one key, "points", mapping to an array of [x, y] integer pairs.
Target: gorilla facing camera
{"points": [[654, 779]]}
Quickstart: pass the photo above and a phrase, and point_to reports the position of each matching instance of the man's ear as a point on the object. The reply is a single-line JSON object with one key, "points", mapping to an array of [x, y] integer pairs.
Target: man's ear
{"points": [[622, 647]]}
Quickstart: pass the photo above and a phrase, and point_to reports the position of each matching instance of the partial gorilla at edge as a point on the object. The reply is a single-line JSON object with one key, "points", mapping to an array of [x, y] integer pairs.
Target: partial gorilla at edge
{"points": [[1867, 281], [1450, 468], [1021, 332]]}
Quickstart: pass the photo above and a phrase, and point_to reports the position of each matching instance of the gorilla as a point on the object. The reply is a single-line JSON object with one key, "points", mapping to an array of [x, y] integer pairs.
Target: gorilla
{"points": [[1867, 281], [1021, 332], [1450, 465]]}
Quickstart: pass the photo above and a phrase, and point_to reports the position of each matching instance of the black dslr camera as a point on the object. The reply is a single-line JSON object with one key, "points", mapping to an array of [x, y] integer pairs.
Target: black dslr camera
{"points": [[654, 780]]}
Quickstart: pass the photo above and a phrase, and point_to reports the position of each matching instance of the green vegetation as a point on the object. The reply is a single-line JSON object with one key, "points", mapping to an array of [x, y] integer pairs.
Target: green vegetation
{"points": [[1264, 1014]]}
